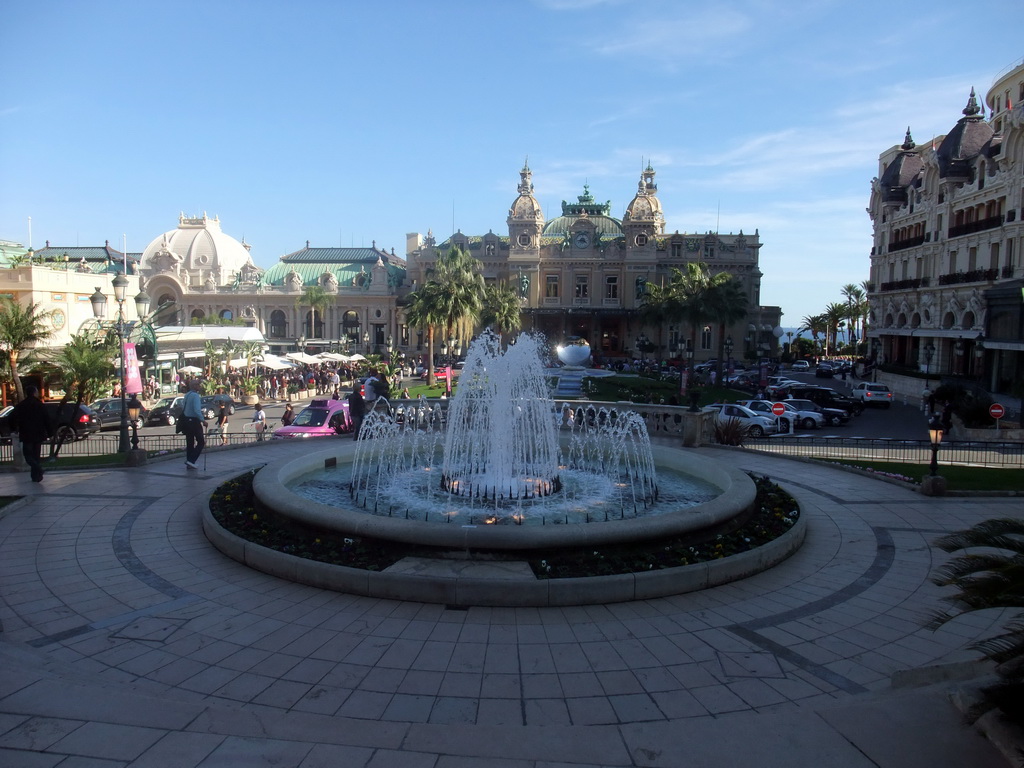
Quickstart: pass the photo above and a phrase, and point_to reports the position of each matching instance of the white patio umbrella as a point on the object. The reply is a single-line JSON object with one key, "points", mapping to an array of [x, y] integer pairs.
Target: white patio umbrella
{"points": [[190, 369]]}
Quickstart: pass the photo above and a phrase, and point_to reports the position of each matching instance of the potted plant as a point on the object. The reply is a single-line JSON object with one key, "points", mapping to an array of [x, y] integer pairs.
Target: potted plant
{"points": [[250, 388]]}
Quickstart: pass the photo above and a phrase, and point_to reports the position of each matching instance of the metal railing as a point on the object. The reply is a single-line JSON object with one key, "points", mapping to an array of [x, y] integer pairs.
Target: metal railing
{"points": [[105, 443], [962, 453]]}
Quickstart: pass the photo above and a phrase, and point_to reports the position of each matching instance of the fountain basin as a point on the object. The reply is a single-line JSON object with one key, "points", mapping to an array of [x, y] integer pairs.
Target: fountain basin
{"points": [[270, 487]]}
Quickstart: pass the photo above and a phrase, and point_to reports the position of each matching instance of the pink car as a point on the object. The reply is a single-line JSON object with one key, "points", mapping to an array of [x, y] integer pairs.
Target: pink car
{"points": [[321, 418]]}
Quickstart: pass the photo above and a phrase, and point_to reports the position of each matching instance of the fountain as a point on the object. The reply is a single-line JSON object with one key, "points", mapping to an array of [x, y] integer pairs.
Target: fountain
{"points": [[498, 458], [501, 476]]}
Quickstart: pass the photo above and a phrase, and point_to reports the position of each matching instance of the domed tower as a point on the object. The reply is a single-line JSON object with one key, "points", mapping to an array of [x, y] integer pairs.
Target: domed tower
{"points": [[960, 149], [525, 221], [643, 219], [905, 170]]}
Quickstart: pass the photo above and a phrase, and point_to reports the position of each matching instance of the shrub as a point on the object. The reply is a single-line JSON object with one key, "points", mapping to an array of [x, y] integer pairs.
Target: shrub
{"points": [[730, 432]]}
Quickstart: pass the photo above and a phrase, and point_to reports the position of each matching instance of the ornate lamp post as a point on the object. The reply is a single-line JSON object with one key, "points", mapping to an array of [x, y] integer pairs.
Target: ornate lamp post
{"points": [[692, 391], [99, 309], [641, 345], [929, 353], [958, 349], [933, 484], [728, 353], [366, 341], [134, 411]]}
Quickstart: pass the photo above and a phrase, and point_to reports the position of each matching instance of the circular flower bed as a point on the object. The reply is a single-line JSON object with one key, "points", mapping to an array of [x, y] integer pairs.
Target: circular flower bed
{"points": [[233, 507]]}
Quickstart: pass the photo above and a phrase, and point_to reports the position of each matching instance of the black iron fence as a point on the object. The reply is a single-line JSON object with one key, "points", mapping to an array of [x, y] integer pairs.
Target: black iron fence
{"points": [[961, 453]]}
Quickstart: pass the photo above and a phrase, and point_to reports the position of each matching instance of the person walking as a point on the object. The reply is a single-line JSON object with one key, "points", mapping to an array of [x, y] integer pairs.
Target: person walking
{"points": [[259, 419], [288, 416], [222, 422], [32, 423], [192, 424], [356, 410]]}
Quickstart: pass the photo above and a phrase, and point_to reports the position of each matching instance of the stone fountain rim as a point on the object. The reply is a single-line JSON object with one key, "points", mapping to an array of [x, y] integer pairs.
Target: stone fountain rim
{"points": [[737, 495]]}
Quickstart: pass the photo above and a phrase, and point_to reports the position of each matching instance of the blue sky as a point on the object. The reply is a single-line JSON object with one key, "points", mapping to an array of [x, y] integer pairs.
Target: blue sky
{"points": [[346, 122]]}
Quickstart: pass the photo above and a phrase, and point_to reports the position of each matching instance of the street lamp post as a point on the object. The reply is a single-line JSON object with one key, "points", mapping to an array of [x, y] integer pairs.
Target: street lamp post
{"points": [[99, 306], [728, 354], [933, 484], [929, 353], [641, 344], [134, 412], [692, 391], [366, 341]]}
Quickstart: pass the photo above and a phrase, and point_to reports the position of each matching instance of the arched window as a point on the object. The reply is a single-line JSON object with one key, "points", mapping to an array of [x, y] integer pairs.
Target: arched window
{"points": [[278, 325], [226, 314], [197, 314]]}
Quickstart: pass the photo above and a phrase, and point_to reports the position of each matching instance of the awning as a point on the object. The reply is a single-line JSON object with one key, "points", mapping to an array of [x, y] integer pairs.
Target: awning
{"points": [[333, 357], [302, 357]]}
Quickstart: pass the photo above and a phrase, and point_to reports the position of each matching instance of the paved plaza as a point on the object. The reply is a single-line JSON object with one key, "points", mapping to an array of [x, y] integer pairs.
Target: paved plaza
{"points": [[127, 640]]}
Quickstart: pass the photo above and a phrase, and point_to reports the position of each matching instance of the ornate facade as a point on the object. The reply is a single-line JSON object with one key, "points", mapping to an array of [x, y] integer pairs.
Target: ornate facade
{"points": [[207, 273], [946, 276], [584, 272]]}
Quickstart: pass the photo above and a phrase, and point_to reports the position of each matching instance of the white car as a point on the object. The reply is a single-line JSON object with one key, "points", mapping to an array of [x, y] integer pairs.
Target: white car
{"points": [[801, 365], [802, 419], [756, 424], [872, 394]]}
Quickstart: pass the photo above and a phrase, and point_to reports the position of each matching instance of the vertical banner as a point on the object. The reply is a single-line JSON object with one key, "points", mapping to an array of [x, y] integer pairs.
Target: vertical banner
{"points": [[132, 380], [683, 376], [448, 381]]}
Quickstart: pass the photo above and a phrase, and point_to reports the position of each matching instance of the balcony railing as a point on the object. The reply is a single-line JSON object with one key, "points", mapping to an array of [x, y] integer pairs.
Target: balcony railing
{"points": [[973, 276], [905, 285], [910, 242], [976, 226]]}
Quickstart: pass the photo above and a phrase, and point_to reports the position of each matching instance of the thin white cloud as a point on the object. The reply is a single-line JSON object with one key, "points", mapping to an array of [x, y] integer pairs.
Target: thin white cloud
{"points": [[575, 5]]}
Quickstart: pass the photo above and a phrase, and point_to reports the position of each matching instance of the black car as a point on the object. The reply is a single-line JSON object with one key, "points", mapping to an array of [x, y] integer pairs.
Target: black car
{"points": [[166, 411], [211, 405], [108, 410], [834, 417], [824, 371], [70, 423], [827, 398]]}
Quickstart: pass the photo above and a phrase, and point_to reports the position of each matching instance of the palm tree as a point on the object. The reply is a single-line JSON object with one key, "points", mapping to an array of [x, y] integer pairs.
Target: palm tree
{"points": [[210, 351], [501, 309], [695, 289], [854, 295], [834, 314], [728, 304], [661, 304], [992, 576], [84, 365], [21, 329], [423, 311], [815, 324], [451, 299], [316, 298]]}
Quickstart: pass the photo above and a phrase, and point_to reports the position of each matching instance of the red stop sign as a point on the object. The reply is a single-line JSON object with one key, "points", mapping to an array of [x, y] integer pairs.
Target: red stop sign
{"points": [[996, 411], [778, 409]]}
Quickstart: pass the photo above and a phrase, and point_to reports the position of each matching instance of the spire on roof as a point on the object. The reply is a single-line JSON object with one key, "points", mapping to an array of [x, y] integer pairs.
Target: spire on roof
{"points": [[908, 142], [972, 108]]}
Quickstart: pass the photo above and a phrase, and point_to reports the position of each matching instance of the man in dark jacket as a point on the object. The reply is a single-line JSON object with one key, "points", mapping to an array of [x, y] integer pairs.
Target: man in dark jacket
{"points": [[32, 423], [356, 410]]}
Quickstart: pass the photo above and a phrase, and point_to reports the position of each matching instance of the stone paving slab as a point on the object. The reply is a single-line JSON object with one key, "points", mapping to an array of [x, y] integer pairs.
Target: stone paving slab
{"points": [[128, 640]]}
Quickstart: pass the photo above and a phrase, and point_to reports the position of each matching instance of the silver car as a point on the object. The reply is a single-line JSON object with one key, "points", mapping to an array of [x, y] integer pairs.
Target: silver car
{"points": [[800, 418]]}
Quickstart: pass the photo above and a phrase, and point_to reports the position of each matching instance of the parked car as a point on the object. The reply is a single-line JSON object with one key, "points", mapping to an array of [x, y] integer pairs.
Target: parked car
{"points": [[832, 416], [321, 418], [211, 405], [755, 424], [166, 411], [108, 410], [70, 423], [806, 419], [824, 370], [825, 397], [872, 394], [800, 365]]}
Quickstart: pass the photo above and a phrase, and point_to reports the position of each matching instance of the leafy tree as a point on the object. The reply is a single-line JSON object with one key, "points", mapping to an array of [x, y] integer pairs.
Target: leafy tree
{"points": [[21, 329], [318, 300], [501, 309]]}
